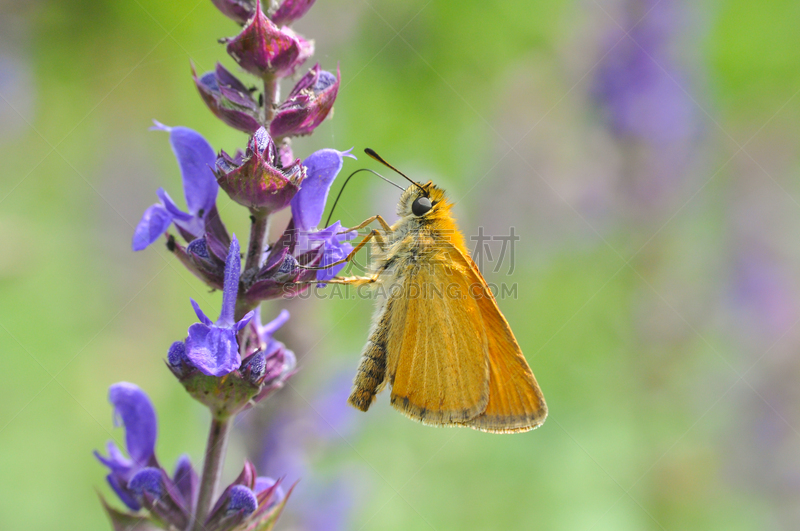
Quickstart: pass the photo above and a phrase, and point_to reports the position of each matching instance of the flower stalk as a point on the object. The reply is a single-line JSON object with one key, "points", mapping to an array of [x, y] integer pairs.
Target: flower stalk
{"points": [[272, 95], [216, 449]]}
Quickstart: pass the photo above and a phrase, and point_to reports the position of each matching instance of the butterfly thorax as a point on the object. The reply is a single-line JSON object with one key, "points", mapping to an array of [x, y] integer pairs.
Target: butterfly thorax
{"points": [[416, 240]]}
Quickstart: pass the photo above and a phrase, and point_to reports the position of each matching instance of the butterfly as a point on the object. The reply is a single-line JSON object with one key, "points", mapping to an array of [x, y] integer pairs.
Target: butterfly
{"points": [[438, 338]]}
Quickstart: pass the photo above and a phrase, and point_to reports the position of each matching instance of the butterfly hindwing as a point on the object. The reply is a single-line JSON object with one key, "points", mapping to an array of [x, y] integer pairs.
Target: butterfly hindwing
{"points": [[515, 402]]}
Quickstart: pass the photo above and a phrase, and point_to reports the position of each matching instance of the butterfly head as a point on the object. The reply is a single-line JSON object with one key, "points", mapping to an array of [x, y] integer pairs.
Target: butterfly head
{"points": [[422, 201]]}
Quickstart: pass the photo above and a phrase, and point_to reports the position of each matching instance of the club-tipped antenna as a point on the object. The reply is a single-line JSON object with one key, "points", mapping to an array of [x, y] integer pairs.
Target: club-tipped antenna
{"points": [[327, 223], [371, 153]]}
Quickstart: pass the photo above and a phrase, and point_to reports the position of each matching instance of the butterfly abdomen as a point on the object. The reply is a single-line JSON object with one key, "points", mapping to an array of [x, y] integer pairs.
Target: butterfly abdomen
{"points": [[371, 375]]}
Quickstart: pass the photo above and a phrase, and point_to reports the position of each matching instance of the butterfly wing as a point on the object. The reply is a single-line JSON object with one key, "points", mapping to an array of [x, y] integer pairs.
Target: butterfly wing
{"points": [[515, 401], [436, 347]]}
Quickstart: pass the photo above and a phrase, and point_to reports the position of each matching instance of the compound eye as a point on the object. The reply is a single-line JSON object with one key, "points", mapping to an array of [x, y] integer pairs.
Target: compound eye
{"points": [[421, 205]]}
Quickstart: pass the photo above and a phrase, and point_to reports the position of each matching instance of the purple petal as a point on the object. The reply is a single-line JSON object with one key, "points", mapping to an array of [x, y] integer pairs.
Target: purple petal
{"points": [[155, 222], [117, 462], [195, 157], [233, 267], [244, 320], [171, 207], [309, 203], [134, 409], [200, 315], [333, 253], [213, 350]]}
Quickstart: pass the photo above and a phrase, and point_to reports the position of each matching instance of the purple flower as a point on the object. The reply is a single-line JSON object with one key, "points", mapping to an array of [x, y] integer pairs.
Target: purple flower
{"points": [[309, 103], [132, 409], [195, 158], [307, 208], [212, 347], [228, 99], [257, 179], [291, 10], [264, 49]]}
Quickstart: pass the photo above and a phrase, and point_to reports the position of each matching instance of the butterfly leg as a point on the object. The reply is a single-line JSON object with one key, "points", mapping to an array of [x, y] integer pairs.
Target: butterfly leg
{"points": [[376, 217], [355, 281], [373, 235]]}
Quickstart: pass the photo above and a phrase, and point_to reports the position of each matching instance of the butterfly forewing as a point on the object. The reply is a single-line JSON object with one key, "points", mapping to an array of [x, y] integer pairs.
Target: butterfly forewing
{"points": [[437, 358]]}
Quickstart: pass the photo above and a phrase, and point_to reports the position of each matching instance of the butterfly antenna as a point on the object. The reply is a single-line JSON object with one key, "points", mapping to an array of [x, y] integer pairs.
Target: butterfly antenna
{"points": [[327, 223], [371, 153]]}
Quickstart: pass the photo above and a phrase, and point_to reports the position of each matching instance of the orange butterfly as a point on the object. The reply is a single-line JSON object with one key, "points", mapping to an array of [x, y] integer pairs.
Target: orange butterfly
{"points": [[437, 337]]}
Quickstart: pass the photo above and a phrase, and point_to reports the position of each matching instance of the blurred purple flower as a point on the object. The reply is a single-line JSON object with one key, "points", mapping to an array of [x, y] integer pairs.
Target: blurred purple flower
{"points": [[765, 291], [291, 440], [212, 347], [196, 158], [637, 85]]}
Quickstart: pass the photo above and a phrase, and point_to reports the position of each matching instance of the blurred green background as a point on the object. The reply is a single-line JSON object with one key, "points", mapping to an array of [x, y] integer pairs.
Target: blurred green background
{"points": [[644, 152]]}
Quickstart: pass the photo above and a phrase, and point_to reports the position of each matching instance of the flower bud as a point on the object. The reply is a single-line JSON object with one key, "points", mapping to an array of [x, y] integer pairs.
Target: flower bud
{"points": [[147, 481], [255, 367], [256, 179], [232, 509], [307, 105], [178, 363], [264, 49], [228, 99], [241, 500]]}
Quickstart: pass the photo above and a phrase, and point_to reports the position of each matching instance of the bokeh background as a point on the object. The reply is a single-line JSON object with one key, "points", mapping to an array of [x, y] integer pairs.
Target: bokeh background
{"points": [[644, 151]]}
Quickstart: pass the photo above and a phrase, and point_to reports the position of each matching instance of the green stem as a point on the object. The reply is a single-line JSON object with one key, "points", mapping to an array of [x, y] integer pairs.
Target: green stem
{"points": [[272, 93], [258, 232], [212, 468]]}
